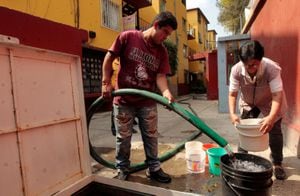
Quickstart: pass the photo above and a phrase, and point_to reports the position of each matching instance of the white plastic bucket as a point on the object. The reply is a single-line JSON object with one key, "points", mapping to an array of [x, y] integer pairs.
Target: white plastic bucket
{"points": [[195, 157], [251, 139]]}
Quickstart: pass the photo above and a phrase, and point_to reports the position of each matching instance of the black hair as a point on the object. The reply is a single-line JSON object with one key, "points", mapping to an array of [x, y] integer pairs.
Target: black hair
{"points": [[166, 19], [251, 50]]}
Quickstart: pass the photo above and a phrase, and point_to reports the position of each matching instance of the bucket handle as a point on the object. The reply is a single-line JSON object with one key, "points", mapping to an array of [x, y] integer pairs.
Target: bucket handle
{"points": [[230, 186], [244, 134]]}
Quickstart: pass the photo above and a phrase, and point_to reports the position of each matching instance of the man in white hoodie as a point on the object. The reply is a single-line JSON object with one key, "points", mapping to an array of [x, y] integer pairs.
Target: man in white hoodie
{"points": [[261, 92]]}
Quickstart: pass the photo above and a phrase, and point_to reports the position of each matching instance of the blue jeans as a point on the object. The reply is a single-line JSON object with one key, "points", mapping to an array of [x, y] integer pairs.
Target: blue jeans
{"points": [[147, 118]]}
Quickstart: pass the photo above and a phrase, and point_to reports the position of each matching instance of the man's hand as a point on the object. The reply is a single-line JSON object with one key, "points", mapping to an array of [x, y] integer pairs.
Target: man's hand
{"points": [[106, 90], [268, 121], [167, 94], [266, 124], [161, 81], [234, 119]]}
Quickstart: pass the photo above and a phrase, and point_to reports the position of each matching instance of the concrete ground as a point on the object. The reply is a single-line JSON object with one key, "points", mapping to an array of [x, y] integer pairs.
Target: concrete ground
{"points": [[173, 129]]}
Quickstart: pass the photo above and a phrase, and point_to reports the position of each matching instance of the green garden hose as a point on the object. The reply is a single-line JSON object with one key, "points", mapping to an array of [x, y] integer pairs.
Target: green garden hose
{"points": [[172, 106]]}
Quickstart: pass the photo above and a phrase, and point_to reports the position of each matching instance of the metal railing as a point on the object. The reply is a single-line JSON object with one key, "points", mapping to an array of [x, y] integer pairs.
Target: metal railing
{"points": [[143, 25]]}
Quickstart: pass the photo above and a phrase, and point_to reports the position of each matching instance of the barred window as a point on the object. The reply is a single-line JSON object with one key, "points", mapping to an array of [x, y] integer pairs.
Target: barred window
{"points": [[110, 15]]}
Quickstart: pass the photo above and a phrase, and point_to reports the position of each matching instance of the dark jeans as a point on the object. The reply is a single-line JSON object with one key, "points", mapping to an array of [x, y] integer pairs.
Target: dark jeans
{"points": [[113, 128], [275, 137], [124, 117]]}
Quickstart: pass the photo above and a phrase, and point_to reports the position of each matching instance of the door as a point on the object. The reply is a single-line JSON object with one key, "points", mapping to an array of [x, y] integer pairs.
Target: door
{"points": [[227, 57]]}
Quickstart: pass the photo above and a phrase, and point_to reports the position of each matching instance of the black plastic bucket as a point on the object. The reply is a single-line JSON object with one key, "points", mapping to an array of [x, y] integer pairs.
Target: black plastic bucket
{"points": [[240, 182]]}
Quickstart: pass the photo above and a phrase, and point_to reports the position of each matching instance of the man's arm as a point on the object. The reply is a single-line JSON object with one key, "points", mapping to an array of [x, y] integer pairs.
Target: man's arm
{"points": [[269, 120], [276, 104], [162, 83], [106, 74], [232, 97]]}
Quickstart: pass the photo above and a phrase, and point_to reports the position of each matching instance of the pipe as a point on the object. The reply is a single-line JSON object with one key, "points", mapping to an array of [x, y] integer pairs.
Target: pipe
{"points": [[172, 106]]}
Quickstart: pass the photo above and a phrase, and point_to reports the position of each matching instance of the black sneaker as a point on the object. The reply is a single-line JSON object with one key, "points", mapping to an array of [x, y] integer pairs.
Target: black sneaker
{"points": [[279, 172], [159, 176], [122, 175]]}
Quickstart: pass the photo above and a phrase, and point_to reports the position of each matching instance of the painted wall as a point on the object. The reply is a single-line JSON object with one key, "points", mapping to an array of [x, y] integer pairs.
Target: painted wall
{"points": [[181, 36], [192, 16], [148, 13], [40, 33], [195, 45], [211, 75], [85, 15], [211, 38], [281, 42], [203, 31], [55, 10], [90, 19]]}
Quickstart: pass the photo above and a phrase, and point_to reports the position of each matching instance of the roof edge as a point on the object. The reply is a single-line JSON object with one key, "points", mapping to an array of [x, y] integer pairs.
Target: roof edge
{"points": [[257, 7]]}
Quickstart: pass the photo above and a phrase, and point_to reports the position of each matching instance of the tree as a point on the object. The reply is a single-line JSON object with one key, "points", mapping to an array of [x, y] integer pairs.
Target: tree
{"points": [[231, 15], [173, 57]]}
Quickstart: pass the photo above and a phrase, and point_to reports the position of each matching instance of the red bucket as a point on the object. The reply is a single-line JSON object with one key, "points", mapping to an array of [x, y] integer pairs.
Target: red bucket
{"points": [[206, 147]]}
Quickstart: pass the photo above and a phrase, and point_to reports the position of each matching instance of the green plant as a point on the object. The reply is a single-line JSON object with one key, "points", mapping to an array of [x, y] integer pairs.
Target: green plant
{"points": [[173, 57]]}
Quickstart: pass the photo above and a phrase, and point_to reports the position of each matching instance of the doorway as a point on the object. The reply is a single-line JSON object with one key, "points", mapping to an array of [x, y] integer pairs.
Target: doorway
{"points": [[227, 57]]}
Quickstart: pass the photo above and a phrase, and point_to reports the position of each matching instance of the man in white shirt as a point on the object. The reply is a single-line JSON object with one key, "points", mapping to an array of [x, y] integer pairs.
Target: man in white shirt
{"points": [[261, 92]]}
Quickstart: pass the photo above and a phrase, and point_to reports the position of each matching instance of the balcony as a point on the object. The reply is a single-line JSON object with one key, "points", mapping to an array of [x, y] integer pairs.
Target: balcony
{"points": [[131, 6], [191, 33], [132, 23], [200, 56], [143, 25], [139, 4]]}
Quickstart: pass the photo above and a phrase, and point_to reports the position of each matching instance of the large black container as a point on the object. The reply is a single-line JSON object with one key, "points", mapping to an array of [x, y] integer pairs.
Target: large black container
{"points": [[238, 182]]}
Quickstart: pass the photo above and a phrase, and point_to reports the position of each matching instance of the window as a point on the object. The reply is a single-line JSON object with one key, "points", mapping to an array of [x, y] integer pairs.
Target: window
{"points": [[110, 15], [185, 51], [162, 5], [199, 17], [184, 25], [186, 76], [92, 71], [199, 38]]}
